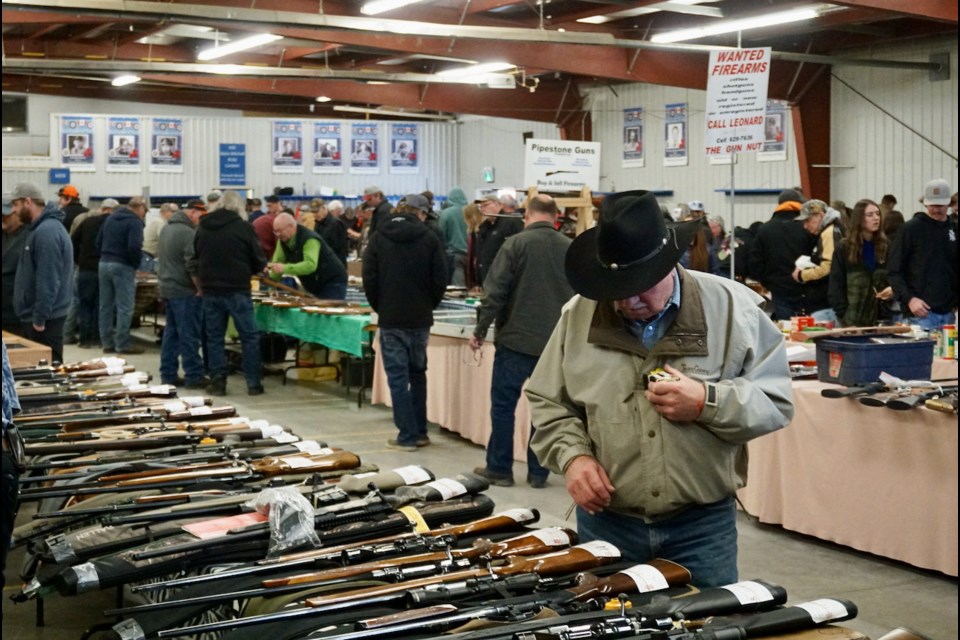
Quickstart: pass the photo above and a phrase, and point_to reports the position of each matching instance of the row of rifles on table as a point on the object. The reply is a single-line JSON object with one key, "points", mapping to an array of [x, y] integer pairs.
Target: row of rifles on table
{"points": [[223, 526], [937, 395]]}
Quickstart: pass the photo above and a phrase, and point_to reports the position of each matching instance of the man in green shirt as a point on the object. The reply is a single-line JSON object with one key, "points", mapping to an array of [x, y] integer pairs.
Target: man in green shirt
{"points": [[303, 253]]}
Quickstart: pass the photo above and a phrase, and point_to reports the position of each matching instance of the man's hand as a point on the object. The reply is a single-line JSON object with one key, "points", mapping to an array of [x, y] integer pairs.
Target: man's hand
{"points": [[918, 307], [476, 343], [796, 274], [677, 401], [885, 294], [275, 267], [588, 484], [39, 328]]}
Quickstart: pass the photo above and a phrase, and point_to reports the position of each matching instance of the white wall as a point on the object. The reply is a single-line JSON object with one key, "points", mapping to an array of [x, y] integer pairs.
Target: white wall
{"points": [[885, 155]]}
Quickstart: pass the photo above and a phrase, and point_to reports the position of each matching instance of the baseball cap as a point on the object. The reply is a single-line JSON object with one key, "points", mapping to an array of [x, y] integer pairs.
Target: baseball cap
{"points": [[936, 192], [7, 204], [69, 191], [812, 207], [417, 201], [695, 205], [490, 197], [372, 190], [110, 203], [197, 203], [214, 195], [29, 190], [789, 195]]}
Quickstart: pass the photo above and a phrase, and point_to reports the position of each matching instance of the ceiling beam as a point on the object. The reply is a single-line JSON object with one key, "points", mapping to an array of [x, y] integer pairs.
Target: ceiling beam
{"points": [[939, 10]]}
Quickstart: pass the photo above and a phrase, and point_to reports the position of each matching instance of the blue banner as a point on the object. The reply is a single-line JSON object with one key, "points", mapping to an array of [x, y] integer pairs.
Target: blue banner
{"points": [[233, 165]]}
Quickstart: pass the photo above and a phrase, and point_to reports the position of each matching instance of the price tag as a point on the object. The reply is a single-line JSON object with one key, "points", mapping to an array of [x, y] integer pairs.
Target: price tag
{"points": [[259, 424], [553, 537], [413, 474], [519, 515], [307, 446], [646, 578], [269, 430], [135, 386], [600, 549], [174, 406], [194, 401], [114, 370], [200, 411], [285, 437], [238, 420], [297, 462], [162, 390], [749, 592], [448, 488], [131, 378], [824, 610], [112, 362]]}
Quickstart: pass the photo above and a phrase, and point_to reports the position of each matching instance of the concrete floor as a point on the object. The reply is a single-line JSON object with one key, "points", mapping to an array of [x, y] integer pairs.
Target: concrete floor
{"points": [[889, 594]]}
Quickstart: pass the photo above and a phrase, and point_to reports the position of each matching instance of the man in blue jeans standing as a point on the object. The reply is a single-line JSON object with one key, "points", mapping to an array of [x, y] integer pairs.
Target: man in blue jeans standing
{"points": [[120, 243], [405, 277], [228, 254], [177, 272], [526, 288]]}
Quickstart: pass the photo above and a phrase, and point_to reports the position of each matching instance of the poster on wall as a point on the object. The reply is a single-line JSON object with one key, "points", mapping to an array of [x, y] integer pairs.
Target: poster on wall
{"points": [[166, 145], [404, 147], [233, 164], [775, 123], [364, 148], [327, 148], [76, 143], [632, 137], [736, 101], [675, 135], [287, 146], [123, 144], [561, 165]]}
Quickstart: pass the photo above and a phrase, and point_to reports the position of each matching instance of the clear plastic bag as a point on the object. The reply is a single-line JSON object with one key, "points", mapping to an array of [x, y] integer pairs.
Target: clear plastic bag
{"points": [[291, 519]]}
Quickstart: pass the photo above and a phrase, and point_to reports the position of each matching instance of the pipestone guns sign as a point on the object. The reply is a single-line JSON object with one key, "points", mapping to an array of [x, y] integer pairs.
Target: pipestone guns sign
{"points": [[736, 100], [562, 165]]}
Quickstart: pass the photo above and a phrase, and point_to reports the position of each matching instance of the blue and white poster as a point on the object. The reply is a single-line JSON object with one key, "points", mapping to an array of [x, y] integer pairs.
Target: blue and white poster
{"points": [[123, 144], [233, 165], [775, 125], [166, 145], [404, 147], [76, 143], [327, 147], [675, 135], [632, 138], [287, 146], [364, 147]]}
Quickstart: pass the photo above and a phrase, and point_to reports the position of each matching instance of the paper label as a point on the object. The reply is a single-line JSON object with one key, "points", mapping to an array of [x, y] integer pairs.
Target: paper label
{"points": [[749, 592], [600, 549], [112, 362], [297, 462], [174, 406], [114, 370], [131, 378], [518, 515], [307, 446], [269, 430], [163, 390], [133, 386], [194, 401], [238, 420], [646, 578], [285, 437], [413, 474], [448, 488], [824, 610], [552, 537], [217, 527], [200, 411], [258, 424]]}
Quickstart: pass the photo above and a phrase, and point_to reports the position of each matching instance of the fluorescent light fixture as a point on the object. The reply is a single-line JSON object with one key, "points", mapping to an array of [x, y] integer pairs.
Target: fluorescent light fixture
{"points": [[382, 6], [324, 98], [470, 71], [122, 81], [675, 6], [237, 45], [732, 26], [393, 113], [223, 69]]}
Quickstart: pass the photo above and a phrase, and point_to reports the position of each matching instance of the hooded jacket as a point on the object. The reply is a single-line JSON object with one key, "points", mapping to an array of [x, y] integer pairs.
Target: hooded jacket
{"points": [[816, 280], [43, 288], [922, 263], [452, 223], [121, 238], [176, 259], [228, 253], [587, 396], [404, 273], [775, 249]]}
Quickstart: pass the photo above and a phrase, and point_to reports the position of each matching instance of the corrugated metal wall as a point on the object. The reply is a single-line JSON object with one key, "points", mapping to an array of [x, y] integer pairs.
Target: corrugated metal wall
{"points": [[886, 156], [497, 143], [697, 181]]}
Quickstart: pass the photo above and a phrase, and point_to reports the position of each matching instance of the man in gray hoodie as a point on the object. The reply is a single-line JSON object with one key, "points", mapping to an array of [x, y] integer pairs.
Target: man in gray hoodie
{"points": [[43, 288], [454, 228], [177, 273]]}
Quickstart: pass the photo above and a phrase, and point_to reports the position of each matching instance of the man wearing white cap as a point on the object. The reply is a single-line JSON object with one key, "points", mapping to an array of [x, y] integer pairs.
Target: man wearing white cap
{"points": [[922, 265]]}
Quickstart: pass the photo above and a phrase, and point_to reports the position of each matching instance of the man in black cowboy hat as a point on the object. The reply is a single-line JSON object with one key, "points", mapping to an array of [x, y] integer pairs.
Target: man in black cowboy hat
{"points": [[653, 464]]}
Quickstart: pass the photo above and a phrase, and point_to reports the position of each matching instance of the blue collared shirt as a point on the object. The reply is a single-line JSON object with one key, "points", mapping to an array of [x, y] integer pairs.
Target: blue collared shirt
{"points": [[11, 404], [650, 331]]}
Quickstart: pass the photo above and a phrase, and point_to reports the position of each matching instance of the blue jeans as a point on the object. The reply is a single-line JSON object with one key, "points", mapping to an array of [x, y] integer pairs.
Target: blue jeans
{"points": [[702, 538], [217, 308], [510, 370], [118, 290], [934, 321], [404, 355], [71, 325], [335, 290], [181, 341], [148, 263], [785, 307], [88, 305]]}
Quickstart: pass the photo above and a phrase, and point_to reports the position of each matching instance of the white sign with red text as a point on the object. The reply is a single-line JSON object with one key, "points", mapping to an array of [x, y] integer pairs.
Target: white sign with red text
{"points": [[736, 100]]}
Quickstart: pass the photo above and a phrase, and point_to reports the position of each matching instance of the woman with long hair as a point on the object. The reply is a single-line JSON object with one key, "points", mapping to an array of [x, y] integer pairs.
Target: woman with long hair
{"points": [[858, 277]]}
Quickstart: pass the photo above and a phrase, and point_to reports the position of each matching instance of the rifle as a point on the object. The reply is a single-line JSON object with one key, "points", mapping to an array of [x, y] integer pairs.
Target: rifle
{"points": [[853, 392], [946, 404], [388, 546], [904, 403], [907, 397], [583, 556]]}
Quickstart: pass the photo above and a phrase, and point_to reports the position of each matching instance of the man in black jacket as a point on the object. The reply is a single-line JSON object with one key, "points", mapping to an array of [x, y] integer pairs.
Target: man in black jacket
{"points": [[774, 251], [404, 277], [228, 253]]}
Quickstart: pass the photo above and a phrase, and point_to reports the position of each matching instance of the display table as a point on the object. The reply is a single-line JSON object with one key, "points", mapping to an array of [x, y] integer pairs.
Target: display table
{"points": [[874, 479], [341, 332]]}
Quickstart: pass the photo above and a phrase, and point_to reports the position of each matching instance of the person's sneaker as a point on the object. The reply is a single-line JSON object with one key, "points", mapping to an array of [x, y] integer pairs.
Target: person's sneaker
{"points": [[255, 391], [109, 350], [494, 478], [132, 350], [396, 446], [217, 387], [202, 383], [536, 482], [423, 441], [176, 382]]}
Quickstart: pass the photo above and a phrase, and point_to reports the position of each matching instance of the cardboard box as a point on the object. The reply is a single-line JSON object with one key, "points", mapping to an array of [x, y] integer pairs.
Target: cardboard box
{"points": [[25, 353]]}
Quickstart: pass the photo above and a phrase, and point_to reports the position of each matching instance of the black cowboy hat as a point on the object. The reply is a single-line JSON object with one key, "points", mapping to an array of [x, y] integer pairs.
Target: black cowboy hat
{"points": [[631, 249]]}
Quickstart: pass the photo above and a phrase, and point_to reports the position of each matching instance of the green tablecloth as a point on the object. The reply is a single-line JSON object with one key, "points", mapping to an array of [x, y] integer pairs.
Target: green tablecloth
{"points": [[343, 333]]}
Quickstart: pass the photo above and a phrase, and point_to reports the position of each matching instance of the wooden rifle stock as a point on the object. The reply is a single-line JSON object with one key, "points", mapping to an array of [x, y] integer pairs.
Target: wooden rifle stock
{"points": [[637, 579], [305, 463]]}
